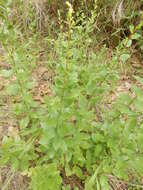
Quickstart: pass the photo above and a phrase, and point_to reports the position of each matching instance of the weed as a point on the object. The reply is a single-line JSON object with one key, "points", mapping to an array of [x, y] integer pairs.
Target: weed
{"points": [[78, 129]]}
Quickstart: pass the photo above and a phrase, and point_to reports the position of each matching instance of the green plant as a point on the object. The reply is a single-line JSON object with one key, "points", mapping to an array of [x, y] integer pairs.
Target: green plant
{"points": [[75, 130], [45, 177]]}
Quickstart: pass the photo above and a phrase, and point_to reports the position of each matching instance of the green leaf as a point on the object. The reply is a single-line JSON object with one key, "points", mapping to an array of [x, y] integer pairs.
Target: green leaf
{"points": [[14, 163], [97, 184], [138, 78], [120, 169], [138, 105], [29, 85], [67, 187], [44, 141], [24, 122], [6, 73], [59, 144], [104, 183], [24, 162], [78, 172], [13, 89], [131, 28], [68, 170], [136, 163], [124, 57], [46, 177], [98, 150], [98, 138], [129, 43], [140, 141], [124, 108], [107, 168], [91, 182], [131, 123], [135, 36], [4, 160]]}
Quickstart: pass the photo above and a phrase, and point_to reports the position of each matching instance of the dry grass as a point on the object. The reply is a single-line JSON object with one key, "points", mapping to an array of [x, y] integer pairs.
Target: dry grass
{"points": [[12, 180]]}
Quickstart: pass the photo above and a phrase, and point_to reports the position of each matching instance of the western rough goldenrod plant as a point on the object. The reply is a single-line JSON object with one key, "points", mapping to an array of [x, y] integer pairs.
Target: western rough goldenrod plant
{"points": [[75, 132]]}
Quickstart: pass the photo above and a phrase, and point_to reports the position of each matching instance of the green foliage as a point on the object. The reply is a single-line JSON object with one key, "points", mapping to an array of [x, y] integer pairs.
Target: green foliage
{"points": [[74, 130], [45, 177]]}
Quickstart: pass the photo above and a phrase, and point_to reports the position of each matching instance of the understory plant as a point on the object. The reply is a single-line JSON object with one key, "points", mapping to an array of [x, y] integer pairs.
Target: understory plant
{"points": [[78, 131]]}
